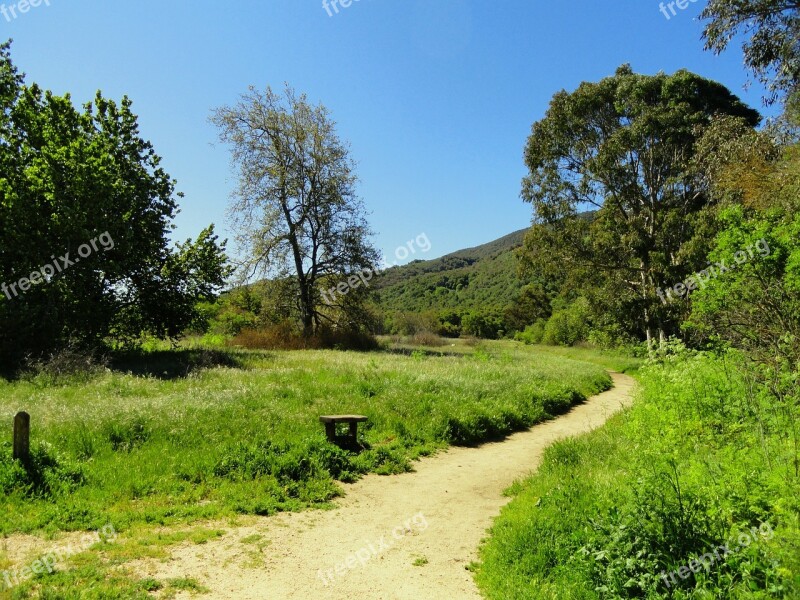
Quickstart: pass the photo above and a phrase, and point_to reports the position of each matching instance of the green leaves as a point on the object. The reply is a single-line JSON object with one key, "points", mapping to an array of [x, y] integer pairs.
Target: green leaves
{"points": [[623, 145], [770, 28], [68, 175]]}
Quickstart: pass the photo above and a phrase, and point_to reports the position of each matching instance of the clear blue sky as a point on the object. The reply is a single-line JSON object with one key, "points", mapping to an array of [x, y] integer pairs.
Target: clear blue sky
{"points": [[436, 97]]}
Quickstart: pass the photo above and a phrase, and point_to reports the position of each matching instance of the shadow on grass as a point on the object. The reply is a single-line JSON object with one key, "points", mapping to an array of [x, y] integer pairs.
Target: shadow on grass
{"points": [[421, 351], [173, 364]]}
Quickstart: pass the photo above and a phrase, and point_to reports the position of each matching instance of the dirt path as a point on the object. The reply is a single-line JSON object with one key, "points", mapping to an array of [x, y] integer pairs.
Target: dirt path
{"points": [[438, 513]]}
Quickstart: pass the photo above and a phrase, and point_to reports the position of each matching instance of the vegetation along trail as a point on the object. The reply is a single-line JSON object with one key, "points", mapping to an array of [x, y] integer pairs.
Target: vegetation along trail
{"points": [[406, 536]]}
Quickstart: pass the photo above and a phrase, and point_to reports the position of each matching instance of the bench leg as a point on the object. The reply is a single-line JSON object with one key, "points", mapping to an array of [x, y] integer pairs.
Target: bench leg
{"points": [[330, 431], [354, 433]]}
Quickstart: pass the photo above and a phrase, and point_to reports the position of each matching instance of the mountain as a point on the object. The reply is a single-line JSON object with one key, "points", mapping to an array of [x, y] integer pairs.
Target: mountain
{"points": [[481, 277]]}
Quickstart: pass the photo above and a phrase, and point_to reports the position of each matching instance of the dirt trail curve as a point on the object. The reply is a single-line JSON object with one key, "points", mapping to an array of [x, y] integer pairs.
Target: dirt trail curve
{"points": [[458, 492]]}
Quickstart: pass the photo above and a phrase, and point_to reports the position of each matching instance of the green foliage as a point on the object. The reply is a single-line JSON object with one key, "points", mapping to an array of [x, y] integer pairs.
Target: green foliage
{"points": [[48, 474], [234, 311], [533, 334], [568, 326], [72, 180], [128, 434], [703, 456], [598, 146], [303, 459], [483, 325], [770, 44], [755, 303]]}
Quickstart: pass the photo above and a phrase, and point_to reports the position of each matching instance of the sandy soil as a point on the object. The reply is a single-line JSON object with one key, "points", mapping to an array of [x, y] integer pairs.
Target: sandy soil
{"points": [[435, 516]]}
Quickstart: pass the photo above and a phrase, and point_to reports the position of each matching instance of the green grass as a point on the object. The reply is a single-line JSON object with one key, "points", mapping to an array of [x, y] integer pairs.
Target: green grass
{"points": [[161, 448], [701, 457], [614, 360]]}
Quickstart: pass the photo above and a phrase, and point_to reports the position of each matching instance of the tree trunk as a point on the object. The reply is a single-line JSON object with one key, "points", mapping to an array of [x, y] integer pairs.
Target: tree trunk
{"points": [[306, 295]]}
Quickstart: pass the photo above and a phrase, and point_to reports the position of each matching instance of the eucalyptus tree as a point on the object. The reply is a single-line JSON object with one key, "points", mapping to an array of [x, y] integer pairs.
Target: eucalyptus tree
{"points": [[623, 146], [770, 33]]}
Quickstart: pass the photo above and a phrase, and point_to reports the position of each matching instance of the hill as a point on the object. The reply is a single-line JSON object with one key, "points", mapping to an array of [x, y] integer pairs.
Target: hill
{"points": [[474, 278]]}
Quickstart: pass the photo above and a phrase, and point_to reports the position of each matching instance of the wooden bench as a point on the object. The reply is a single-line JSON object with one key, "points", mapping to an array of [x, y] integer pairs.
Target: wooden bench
{"points": [[351, 439]]}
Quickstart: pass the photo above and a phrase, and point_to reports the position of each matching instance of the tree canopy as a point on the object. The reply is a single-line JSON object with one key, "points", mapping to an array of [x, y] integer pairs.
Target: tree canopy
{"points": [[296, 209], [85, 216], [771, 29], [624, 146]]}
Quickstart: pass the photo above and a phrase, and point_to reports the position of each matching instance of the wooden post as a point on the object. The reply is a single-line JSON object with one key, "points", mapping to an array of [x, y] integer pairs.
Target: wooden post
{"points": [[22, 437]]}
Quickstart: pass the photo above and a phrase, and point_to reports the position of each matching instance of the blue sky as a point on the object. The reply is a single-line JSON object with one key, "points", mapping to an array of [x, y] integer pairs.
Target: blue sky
{"points": [[436, 97]]}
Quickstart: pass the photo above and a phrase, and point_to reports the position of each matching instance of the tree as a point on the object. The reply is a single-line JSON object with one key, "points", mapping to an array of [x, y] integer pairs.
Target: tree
{"points": [[85, 212], [772, 32], [624, 146], [531, 304], [296, 206], [755, 304]]}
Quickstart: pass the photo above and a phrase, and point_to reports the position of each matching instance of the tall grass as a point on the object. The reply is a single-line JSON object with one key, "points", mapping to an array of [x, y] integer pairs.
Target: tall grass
{"points": [[703, 456], [175, 439]]}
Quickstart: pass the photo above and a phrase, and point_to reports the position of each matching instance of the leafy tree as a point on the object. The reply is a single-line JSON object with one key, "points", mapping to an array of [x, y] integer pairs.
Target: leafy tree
{"points": [[624, 147], [449, 322], [756, 304], [75, 181], [531, 304], [772, 32], [734, 160], [296, 205], [569, 325], [482, 324]]}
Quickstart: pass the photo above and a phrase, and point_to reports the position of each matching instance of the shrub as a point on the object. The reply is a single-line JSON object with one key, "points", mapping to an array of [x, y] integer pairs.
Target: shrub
{"points": [[285, 336], [533, 334], [426, 338], [482, 325], [567, 327], [69, 361]]}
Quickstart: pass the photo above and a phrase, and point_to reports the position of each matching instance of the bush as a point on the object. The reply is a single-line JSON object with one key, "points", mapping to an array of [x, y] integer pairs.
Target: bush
{"points": [[426, 338], [69, 361], [483, 325], [409, 323], [449, 324], [285, 336], [533, 334], [568, 326]]}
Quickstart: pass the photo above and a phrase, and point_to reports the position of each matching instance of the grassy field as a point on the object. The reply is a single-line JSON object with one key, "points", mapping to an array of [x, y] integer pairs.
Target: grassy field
{"points": [[173, 441], [701, 459]]}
